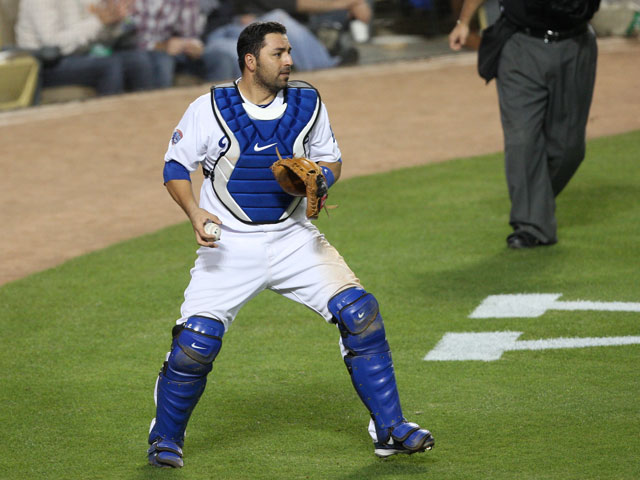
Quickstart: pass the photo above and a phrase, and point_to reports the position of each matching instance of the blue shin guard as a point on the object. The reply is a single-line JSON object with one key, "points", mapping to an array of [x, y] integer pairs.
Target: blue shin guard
{"points": [[369, 362], [180, 384]]}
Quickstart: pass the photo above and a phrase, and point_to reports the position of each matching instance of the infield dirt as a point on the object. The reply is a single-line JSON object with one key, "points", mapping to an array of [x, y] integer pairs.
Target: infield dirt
{"points": [[79, 177]]}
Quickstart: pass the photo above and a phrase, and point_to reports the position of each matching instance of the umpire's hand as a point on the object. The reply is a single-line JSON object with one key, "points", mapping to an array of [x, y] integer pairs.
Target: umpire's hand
{"points": [[458, 36]]}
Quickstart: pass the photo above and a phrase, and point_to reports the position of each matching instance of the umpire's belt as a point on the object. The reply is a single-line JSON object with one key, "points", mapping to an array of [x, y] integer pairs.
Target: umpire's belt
{"points": [[555, 35]]}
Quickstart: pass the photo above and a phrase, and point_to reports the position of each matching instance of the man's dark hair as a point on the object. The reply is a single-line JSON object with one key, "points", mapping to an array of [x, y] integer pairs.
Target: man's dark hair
{"points": [[251, 39]]}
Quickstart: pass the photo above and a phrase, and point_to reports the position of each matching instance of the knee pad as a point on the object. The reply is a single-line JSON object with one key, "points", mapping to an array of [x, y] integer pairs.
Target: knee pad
{"points": [[358, 317], [196, 344]]}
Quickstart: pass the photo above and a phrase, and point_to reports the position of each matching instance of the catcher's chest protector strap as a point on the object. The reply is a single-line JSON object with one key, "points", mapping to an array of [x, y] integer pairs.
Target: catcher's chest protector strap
{"points": [[242, 178]]}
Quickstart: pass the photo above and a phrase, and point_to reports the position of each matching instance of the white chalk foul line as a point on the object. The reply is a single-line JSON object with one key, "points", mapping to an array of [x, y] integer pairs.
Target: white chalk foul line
{"points": [[602, 306], [489, 346], [537, 304]]}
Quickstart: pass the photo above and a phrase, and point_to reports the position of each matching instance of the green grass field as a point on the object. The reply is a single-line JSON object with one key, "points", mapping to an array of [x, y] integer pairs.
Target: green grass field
{"points": [[82, 344]]}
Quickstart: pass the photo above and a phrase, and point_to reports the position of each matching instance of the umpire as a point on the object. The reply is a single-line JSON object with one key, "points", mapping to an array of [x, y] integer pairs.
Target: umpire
{"points": [[546, 56]]}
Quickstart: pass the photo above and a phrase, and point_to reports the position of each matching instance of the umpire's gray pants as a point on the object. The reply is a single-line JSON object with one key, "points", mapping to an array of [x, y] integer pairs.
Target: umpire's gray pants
{"points": [[545, 91]]}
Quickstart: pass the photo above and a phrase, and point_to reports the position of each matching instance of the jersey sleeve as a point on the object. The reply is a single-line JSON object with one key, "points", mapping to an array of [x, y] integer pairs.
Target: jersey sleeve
{"points": [[190, 139], [322, 146]]}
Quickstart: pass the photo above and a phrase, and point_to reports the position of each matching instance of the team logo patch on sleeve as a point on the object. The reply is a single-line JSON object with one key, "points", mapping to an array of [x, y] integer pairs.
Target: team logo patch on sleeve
{"points": [[176, 137]]}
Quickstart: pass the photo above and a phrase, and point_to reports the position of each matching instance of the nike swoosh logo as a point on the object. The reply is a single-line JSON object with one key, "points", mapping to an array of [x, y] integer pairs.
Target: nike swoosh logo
{"points": [[361, 315], [258, 148], [194, 345]]}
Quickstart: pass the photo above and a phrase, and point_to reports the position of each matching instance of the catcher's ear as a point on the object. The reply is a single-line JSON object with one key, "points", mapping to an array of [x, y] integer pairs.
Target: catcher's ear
{"points": [[250, 62]]}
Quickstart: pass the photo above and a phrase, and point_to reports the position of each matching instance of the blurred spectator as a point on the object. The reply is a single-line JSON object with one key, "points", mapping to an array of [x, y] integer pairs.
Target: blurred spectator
{"points": [[334, 12], [77, 42], [170, 31], [340, 22], [308, 52]]}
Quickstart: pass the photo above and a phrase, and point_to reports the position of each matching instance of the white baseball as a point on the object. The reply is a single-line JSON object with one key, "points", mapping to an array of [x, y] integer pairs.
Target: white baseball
{"points": [[213, 230]]}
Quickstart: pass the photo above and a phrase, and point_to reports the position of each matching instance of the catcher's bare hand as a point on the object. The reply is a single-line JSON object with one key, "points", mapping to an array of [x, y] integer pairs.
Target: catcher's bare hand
{"points": [[198, 218]]}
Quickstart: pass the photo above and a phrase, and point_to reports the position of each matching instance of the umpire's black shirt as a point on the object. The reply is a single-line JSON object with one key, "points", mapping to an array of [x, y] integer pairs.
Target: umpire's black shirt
{"points": [[550, 14]]}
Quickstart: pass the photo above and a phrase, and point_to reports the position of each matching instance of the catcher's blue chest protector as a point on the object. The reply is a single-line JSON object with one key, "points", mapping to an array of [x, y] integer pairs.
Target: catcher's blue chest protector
{"points": [[242, 178]]}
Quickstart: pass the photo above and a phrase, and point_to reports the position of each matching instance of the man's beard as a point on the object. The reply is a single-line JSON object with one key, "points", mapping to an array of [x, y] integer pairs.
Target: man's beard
{"points": [[272, 85]]}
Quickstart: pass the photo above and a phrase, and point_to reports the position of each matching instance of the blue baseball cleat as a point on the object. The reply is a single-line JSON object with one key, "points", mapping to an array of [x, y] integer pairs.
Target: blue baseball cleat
{"points": [[407, 438], [165, 454]]}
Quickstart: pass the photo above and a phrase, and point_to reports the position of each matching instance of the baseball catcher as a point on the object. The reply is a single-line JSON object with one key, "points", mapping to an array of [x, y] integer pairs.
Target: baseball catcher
{"points": [[256, 199]]}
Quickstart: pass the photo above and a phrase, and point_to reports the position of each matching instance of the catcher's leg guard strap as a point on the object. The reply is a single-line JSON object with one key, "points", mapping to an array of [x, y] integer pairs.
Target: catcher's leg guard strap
{"points": [[368, 359], [165, 453], [358, 316], [412, 437], [184, 376], [195, 346]]}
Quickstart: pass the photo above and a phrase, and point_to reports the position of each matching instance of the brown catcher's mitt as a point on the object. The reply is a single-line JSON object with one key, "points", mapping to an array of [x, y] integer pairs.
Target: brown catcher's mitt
{"points": [[301, 177]]}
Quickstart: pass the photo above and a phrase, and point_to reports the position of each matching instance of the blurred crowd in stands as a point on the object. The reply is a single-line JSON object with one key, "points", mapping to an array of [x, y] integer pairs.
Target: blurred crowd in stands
{"points": [[117, 46]]}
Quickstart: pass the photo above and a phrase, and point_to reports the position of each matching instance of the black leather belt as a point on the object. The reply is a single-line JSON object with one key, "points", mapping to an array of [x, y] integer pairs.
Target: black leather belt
{"points": [[555, 35]]}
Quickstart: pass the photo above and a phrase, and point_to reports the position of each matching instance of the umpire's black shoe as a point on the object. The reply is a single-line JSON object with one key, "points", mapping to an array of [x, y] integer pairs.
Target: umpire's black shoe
{"points": [[521, 239]]}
